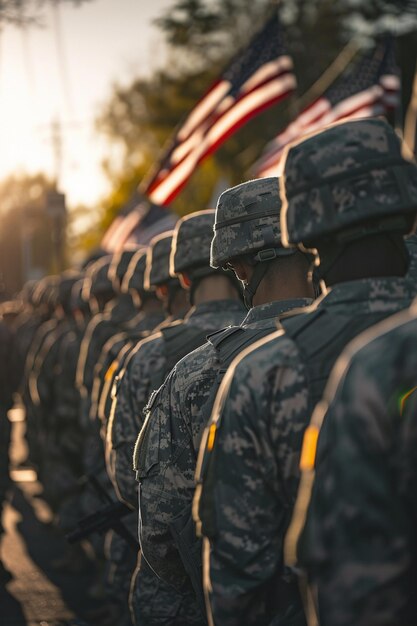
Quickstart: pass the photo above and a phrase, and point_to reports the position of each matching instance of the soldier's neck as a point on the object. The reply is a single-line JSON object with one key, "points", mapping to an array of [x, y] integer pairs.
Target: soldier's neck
{"points": [[215, 288]]}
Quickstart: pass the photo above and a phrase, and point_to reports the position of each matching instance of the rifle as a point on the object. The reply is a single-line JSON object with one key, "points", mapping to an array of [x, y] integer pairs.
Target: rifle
{"points": [[106, 518]]}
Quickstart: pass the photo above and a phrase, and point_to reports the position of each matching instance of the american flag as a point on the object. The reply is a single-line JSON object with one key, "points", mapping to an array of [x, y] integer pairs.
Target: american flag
{"points": [[136, 224], [257, 78], [370, 88]]}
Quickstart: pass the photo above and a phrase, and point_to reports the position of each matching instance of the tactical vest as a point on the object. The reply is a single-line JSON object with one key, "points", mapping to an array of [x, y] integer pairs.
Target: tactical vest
{"points": [[179, 339], [320, 337], [227, 343]]}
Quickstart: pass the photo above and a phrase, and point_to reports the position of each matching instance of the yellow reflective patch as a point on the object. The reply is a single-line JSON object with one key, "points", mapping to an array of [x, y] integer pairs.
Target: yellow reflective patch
{"points": [[211, 437], [404, 398], [309, 449], [110, 371]]}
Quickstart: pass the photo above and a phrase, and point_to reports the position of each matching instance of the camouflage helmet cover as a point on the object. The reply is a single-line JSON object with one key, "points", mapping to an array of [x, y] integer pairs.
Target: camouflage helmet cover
{"points": [[247, 220], [120, 264], [190, 250], [97, 278], [349, 173], [66, 282], [135, 275], [157, 261]]}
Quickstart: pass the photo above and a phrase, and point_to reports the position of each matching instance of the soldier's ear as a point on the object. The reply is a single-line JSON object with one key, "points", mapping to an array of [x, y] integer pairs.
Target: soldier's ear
{"points": [[242, 270]]}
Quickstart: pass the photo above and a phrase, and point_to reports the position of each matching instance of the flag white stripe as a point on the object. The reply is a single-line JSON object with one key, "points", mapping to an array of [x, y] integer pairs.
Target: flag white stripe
{"points": [[196, 137], [129, 222], [202, 110], [243, 107], [367, 103], [267, 71]]}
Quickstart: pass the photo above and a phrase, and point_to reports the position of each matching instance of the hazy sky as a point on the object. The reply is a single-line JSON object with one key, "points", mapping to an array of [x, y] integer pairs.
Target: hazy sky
{"points": [[100, 42]]}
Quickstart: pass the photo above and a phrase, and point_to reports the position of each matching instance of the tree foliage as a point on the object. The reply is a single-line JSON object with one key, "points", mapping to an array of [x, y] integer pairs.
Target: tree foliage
{"points": [[27, 12], [25, 224], [202, 36]]}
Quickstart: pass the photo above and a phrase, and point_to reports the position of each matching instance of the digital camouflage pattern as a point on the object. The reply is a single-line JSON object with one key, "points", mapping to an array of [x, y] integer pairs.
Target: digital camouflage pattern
{"points": [[175, 423], [157, 262], [348, 173], [134, 279], [191, 241], [260, 415], [246, 220], [119, 266], [359, 545], [136, 387], [132, 397]]}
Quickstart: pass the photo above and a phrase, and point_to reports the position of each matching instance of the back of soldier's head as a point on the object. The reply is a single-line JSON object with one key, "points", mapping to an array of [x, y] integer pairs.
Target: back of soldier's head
{"points": [[348, 188]]}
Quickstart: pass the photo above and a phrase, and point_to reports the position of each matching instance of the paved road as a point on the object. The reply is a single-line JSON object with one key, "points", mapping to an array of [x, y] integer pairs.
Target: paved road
{"points": [[38, 593]]}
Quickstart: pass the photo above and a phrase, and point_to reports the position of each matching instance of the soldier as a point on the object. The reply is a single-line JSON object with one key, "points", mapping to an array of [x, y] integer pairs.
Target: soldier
{"points": [[42, 378], [349, 195], [8, 384], [358, 542], [175, 302], [121, 556], [45, 295], [216, 303], [247, 240]]}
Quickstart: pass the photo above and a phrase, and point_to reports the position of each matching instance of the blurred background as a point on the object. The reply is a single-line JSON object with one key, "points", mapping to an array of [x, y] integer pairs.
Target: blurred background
{"points": [[92, 90]]}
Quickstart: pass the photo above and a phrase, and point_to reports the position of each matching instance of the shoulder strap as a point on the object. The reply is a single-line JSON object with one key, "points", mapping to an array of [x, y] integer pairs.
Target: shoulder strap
{"points": [[179, 339], [228, 344], [320, 337]]}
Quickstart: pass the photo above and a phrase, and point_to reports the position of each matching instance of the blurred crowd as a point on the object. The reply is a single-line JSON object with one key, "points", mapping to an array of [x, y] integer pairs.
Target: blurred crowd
{"points": [[223, 421]]}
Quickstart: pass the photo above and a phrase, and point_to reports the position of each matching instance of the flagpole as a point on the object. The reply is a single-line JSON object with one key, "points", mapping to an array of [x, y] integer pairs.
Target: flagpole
{"points": [[329, 76]]}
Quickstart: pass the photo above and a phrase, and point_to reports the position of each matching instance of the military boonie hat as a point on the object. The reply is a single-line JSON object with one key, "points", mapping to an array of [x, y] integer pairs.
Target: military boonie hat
{"points": [[247, 221], [157, 260], [347, 174], [135, 274], [190, 252], [120, 264]]}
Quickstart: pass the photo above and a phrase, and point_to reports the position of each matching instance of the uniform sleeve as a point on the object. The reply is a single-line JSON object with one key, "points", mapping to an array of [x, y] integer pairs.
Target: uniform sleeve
{"points": [[124, 432], [249, 474], [129, 414], [164, 484], [358, 538]]}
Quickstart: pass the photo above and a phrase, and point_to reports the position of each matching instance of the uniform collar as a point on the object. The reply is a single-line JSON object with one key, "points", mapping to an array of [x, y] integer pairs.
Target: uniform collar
{"points": [[368, 294], [274, 309], [213, 307]]}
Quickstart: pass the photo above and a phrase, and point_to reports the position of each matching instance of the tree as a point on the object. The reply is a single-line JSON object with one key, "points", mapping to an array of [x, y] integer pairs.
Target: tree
{"points": [[202, 36], [27, 12], [26, 246]]}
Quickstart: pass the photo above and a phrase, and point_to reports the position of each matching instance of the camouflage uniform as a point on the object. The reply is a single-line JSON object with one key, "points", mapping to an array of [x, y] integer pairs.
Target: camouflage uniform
{"points": [[246, 225], [155, 602], [8, 385], [43, 377], [250, 451], [359, 545]]}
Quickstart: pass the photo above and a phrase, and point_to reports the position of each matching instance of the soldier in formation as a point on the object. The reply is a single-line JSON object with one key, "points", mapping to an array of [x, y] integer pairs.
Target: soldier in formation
{"points": [[227, 410]]}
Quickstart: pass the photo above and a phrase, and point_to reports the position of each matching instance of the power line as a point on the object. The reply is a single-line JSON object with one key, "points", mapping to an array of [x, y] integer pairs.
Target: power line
{"points": [[62, 59]]}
